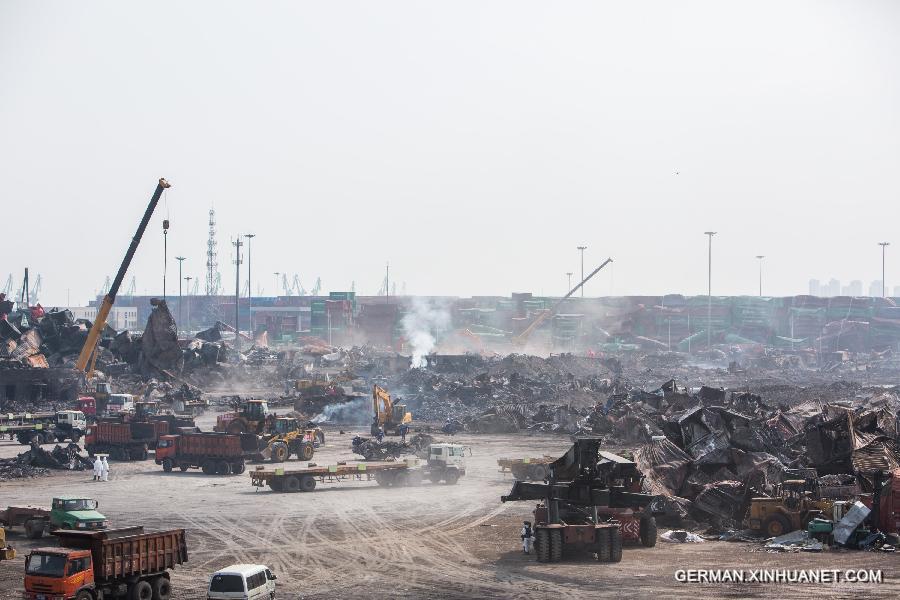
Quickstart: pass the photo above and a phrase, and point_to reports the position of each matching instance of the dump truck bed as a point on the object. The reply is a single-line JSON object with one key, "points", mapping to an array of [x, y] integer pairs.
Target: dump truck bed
{"points": [[130, 552], [15, 516], [217, 445]]}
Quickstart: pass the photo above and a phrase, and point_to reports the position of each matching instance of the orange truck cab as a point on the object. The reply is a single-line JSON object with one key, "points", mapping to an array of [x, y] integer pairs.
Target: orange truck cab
{"points": [[59, 574]]}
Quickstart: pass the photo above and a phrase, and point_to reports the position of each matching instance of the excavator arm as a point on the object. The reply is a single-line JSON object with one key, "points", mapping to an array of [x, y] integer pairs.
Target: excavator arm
{"points": [[90, 344]]}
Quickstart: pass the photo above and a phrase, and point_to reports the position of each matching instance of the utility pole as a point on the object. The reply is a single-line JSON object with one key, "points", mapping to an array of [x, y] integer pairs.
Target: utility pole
{"points": [[188, 279], [237, 292], [883, 283], [582, 249], [569, 275], [165, 253], [275, 289], [180, 260], [250, 237], [387, 281], [760, 257], [709, 294]]}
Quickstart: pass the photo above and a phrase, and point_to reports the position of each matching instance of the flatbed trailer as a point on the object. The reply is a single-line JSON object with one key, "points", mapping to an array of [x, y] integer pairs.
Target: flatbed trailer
{"points": [[304, 479], [529, 468], [445, 463]]}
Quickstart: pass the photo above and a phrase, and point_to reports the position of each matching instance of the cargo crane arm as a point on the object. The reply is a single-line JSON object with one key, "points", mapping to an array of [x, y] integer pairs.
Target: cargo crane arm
{"points": [[90, 344], [520, 339]]}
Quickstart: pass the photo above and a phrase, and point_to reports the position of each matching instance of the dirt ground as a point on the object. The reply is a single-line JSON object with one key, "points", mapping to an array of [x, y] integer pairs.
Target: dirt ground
{"points": [[353, 540]]}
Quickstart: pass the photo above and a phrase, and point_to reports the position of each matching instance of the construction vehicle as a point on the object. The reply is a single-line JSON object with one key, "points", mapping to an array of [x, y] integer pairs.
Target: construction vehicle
{"points": [[88, 355], [6, 552], [65, 512], [213, 453], [534, 469], [446, 462], [793, 505], [124, 441], [253, 417], [44, 428], [98, 565], [388, 416], [289, 439], [522, 339], [580, 486]]}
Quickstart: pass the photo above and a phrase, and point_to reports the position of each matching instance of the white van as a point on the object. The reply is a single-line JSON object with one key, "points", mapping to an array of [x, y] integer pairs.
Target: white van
{"points": [[242, 582]]}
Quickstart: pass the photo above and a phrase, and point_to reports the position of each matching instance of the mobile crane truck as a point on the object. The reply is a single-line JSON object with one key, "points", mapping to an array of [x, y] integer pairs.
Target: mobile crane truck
{"points": [[101, 565]]}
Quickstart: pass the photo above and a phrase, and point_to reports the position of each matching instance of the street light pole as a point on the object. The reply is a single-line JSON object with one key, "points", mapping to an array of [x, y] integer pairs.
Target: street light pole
{"points": [[188, 279], [180, 260], [582, 249], [883, 283], [759, 257], [709, 294], [569, 275], [237, 292], [250, 237]]}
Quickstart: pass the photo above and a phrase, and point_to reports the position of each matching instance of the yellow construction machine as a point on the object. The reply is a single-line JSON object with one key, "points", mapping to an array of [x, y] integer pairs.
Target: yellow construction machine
{"points": [[88, 356], [794, 505], [289, 438], [388, 416]]}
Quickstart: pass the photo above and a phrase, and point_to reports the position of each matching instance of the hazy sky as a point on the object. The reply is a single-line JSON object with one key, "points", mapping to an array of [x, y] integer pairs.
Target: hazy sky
{"points": [[473, 145]]}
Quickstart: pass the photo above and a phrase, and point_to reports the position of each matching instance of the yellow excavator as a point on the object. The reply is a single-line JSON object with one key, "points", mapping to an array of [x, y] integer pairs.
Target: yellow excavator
{"points": [[89, 350], [388, 416]]}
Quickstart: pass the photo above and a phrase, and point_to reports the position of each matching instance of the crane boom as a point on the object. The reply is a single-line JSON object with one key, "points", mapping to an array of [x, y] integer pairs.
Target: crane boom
{"points": [[523, 337], [90, 343]]}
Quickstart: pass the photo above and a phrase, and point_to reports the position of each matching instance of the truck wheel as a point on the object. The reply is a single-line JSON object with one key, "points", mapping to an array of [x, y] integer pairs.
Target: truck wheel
{"points": [[162, 588], [183, 468], [208, 467], [648, 531], [382, 478], [167, 465], [776, 525], [401, 480], [276, 485], [602, 542], [223, 468], [84, 595], [414, 479], [615, 545], [308, 483], [76, 437], [520, 473], [238, 467], [306, 451], [451, 476], [542, 545], [140, 591], [34, 529], [291, 484], [556, 545], [279, 452]]}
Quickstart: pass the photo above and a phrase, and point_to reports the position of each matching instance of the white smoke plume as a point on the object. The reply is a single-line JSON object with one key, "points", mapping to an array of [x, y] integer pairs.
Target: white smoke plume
{"points": [[423, 322]]}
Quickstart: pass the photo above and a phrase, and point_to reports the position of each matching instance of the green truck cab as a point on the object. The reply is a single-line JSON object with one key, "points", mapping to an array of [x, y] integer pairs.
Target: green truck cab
{"points": [[75, 512]]}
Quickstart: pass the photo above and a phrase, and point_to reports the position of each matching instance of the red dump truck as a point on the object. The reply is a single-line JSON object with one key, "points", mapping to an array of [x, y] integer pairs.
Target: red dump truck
{"points": [[124, 441], [99, 565], [214, 453]]}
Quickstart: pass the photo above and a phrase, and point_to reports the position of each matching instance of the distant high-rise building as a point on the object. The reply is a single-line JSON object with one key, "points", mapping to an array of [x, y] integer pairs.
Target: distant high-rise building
{"points": [[896, 291], [855, 288], [815, 287], [875, 288], [833, 289]]}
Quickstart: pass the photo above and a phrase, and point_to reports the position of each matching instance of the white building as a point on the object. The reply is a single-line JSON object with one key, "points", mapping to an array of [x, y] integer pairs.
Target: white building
{"points": [[120, 317]]}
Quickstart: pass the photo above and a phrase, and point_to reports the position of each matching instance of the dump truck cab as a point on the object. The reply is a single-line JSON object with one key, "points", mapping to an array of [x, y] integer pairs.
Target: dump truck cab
{"points": [[76, 512], [447, 455], [119, 403], [71, 424], [58, 574]]}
